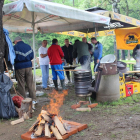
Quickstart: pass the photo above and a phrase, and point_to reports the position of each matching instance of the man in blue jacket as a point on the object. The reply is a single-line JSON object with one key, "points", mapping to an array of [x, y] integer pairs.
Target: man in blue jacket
{"points": [[98, 51], [23, 67]]}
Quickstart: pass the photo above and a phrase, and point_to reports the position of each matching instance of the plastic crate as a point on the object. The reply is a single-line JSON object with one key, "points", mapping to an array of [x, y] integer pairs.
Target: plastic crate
{"points": [[122, 91], [136, 87], [129, 89]]}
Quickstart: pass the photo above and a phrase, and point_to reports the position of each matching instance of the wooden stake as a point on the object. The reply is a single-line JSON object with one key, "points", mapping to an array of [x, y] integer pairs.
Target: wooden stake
{"points": [[59, 125], [56, 133], [39, 131], [17, 121], [83, 109], [47, 131], [11, 80]]}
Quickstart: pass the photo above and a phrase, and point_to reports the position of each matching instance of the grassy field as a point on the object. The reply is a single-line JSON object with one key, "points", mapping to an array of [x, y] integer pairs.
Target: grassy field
{"points": [[38, 71]]}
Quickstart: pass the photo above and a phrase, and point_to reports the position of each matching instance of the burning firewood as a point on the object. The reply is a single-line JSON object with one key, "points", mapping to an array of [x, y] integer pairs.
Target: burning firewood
{"points": [[59, 126], [56, 133], [48, 125], [47, 131]]}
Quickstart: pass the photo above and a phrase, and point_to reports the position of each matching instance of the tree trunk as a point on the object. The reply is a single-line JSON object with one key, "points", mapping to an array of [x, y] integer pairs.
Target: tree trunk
{"points": [[123, 54], [1, 39], [73, 2], [127, 13], [128, 55], [115, 48]]}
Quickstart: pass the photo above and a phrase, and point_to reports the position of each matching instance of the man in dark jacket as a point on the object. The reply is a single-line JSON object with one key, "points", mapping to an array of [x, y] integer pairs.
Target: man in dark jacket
{"points": [[68, 50], [80, 51], [23, 67]]}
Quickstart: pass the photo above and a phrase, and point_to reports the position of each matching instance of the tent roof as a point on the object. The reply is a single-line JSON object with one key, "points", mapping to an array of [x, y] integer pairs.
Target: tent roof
{"points": [[48, 17], [115, 18]]}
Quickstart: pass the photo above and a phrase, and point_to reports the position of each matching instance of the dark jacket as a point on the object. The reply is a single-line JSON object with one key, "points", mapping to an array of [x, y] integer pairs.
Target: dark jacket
{"points": [[24, 55], [80, 49], [135, 51], [68, 53]]}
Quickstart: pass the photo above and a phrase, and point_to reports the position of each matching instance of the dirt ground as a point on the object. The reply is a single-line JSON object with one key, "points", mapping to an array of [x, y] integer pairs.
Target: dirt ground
{"points": [[109, 121]]}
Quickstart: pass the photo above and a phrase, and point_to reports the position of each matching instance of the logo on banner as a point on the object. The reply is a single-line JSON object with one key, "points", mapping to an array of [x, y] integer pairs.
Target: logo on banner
{"points": [[70, 33], [131, 38], [117, 16], [129, 20]]}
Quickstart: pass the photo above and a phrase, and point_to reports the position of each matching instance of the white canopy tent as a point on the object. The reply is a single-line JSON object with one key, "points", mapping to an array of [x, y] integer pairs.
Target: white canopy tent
{"points": [[29, 16]]}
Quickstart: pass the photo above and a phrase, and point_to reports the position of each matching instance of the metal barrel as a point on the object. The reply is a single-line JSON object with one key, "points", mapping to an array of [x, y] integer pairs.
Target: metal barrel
{"points": [[82, 83]]}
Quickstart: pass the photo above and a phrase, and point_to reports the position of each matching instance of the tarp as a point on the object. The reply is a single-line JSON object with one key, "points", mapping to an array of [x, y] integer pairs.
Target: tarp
{"points": [[12, 55], [127, 39], [48, 17]]}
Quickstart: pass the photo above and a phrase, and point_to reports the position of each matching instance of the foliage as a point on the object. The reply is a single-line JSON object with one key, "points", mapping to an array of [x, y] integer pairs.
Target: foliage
{"points": [[126, 7]]}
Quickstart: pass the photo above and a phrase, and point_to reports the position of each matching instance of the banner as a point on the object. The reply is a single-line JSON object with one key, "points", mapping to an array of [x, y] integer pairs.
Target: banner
{"points": [[127, 39], [90, 35]]}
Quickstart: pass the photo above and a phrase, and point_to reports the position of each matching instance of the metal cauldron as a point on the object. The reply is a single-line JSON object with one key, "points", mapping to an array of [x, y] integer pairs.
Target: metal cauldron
{"points": [[82, 81], [109, 65], [122, 67], [137, 68]]}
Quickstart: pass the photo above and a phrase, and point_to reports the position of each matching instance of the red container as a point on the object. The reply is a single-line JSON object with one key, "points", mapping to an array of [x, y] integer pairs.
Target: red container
{"points": [[129, 90]]}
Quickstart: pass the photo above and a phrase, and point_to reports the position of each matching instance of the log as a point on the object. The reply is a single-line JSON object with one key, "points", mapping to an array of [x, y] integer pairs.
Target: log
{"points": [[56, 133], [42, 121], [25, 116], [47, 131], [27, 100], [19, 111], [17, 121], [44, 112], [83, 109], [32, 127], [59, 126], [45, 117], [39, 130]]}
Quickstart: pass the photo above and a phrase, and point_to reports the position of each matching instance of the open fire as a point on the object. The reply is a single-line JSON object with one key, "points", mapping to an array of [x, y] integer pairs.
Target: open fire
{"points": [[48, 123]]}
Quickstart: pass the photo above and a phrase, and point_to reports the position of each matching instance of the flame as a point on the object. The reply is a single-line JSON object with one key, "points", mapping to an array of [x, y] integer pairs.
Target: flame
{"points": [[56, 101]]}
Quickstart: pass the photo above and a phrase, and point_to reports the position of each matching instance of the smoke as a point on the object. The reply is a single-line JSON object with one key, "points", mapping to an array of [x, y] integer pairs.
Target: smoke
{"points": [[85, 66]]}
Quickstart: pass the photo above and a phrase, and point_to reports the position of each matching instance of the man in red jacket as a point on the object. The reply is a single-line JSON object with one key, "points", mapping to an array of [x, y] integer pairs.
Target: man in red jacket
{"points": [[56, 54]]}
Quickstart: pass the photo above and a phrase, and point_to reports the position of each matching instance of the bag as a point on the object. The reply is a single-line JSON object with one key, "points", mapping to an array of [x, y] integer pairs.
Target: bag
{"points": [[7, 107]]}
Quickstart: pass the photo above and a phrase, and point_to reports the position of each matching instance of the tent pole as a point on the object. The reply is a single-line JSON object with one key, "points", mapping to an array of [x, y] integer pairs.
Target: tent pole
{"points": [[33, 25], [95, 31]]}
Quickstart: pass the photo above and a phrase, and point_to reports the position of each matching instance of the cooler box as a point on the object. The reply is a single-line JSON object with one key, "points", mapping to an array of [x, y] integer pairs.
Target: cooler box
{"points": [[130, 91]]}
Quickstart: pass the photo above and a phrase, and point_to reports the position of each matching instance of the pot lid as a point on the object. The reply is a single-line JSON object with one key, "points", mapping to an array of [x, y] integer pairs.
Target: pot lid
{"points": [[110, 58]]}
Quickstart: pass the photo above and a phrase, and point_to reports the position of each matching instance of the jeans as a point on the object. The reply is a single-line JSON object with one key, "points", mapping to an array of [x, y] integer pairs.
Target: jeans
{"points": [[59, 73], [96, 66], [45, 75]]}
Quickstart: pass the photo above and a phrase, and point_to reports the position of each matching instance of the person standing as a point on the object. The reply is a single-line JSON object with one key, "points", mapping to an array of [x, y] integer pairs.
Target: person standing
{"points": [[23, 68], [67, 50], [44, 64], [56, 54], [80, 50], [90, 47], [98, 51]]}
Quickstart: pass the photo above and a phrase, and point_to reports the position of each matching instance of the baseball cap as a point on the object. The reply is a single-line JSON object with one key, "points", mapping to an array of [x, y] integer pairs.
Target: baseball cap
{"points": [[17, 38]]}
